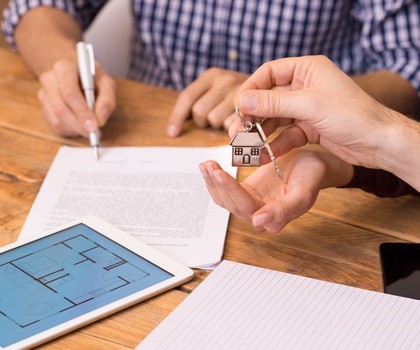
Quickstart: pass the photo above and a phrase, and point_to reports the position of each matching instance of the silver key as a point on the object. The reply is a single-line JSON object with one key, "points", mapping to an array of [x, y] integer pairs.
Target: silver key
{"points": [[268, 148]]}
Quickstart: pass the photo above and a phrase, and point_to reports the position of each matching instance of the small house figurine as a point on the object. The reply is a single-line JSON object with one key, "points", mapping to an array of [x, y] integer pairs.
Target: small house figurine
{"points": [[246, 149]]}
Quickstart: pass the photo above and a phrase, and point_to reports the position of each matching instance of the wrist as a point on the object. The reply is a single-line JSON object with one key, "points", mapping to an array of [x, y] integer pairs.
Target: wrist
{"points": [[339, 172], [398, 150], [332, 170]]}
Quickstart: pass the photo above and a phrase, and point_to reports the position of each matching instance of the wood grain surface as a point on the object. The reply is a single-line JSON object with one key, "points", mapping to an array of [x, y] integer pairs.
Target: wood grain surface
{"points": [[337, 240]]}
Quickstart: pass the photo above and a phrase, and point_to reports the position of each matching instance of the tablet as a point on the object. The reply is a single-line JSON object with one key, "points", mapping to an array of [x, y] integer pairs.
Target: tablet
{"points": [[55, 282]]}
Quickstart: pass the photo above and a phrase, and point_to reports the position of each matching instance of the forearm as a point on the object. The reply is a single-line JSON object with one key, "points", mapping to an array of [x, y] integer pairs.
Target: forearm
{"points": [[45, 35], [398, 152], [392, 90]]}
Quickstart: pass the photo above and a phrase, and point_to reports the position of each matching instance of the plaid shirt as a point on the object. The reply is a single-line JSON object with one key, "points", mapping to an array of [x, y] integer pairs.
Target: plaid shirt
{"points": [[176, 40]]}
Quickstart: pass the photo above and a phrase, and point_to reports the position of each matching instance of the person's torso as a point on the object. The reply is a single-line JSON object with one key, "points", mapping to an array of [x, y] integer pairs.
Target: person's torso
{"points": [[177, 40]]}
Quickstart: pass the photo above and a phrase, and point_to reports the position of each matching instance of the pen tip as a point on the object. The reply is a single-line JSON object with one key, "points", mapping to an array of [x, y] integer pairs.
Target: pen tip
{"points": [[96, 153]]}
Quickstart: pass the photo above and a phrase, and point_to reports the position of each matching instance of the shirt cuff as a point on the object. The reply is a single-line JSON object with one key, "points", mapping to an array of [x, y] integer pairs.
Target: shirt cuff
{"points": [[380, 183]]}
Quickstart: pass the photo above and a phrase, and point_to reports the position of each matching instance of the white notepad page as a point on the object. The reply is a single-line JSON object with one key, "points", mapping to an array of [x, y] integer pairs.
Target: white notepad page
{"points": [[157, 194], [244, 307]]}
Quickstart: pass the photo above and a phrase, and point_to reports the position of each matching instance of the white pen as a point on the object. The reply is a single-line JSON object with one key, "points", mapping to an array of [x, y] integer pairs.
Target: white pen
{"points": [[86, 63]]}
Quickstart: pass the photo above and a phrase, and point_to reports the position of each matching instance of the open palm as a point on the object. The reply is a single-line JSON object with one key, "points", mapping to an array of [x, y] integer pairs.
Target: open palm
{"points": [[263, 199]]}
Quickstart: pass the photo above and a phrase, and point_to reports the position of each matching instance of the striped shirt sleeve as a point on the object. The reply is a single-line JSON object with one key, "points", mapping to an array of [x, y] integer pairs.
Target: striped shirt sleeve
{"points": [[82, 11], [390, 37]]}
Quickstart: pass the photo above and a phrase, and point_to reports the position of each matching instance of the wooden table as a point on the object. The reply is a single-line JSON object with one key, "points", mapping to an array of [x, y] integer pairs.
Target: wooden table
{"points": [[336, 241]]}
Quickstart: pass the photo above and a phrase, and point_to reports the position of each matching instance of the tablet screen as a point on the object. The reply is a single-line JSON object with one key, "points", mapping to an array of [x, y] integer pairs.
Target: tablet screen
{"points": [[64, 275]]}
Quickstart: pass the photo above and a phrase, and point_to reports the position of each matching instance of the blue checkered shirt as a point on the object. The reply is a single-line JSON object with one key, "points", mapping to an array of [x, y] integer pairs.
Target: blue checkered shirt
{"points": [[176, 40]]}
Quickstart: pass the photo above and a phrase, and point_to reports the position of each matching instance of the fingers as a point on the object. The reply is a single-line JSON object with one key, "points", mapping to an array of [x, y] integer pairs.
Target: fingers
{"points": [[288, 105], [305, 172], [306, 78], [228, 122], [235, 127], [275, 215], [66, 74], [220, 112], [290, 138], [208, 100], [297, 72], [210, 183], [184, 104], [227, 192], [64, 103], [283, 202], [265, 201], [211, 109], [106, 96], [58, 115], [273, 73]]}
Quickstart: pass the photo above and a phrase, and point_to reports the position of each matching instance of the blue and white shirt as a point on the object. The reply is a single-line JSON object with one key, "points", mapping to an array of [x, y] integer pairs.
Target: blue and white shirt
{"points": [[176, 40]]}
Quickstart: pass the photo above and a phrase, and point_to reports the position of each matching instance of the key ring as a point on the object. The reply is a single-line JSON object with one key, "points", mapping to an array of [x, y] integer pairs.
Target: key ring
{"points": [[247, 126], [246, 122]]}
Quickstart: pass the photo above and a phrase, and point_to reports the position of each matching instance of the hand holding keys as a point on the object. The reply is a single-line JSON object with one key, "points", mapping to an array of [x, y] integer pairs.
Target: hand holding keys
{"points": [[247, 146]]}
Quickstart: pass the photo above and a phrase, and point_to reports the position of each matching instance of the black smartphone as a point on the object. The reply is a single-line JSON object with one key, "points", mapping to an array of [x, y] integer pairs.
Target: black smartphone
{"points": [[400, 263]]}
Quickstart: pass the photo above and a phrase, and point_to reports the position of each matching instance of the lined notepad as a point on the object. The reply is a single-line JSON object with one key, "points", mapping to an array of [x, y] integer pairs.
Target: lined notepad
{"points": [[245, 307]]}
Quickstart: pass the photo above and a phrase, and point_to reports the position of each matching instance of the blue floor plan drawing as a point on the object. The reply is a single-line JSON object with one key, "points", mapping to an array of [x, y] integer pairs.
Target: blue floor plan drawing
{"points": [[64, 275], [61, 277]]}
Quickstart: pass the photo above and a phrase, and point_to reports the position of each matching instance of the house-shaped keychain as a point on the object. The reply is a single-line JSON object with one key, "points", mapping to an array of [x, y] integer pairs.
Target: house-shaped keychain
{"points": [[246, 149]]}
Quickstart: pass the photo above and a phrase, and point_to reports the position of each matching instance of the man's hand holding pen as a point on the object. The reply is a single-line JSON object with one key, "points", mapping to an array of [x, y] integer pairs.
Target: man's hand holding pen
{"points": [[63, 101]]}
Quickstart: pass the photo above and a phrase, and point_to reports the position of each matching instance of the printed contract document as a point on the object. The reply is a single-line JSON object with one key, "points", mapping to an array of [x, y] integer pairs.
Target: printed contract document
{"points": [[154, 193]]}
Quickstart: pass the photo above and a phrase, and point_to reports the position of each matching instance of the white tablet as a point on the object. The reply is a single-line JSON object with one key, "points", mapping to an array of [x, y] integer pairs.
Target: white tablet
{"points": [[65, 278]]}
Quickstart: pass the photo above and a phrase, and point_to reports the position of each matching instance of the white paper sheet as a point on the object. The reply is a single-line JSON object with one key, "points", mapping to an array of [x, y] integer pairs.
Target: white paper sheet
{"points": [[245, 307], [155, 193]]}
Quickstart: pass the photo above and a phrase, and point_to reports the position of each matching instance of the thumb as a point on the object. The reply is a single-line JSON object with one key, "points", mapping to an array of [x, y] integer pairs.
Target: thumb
{"points": [[271, 216], [275, 104], [274, 216]]}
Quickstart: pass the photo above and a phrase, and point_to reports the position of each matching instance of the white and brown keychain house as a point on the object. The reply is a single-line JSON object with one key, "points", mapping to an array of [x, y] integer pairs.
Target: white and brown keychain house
{"points": [[246, 149]]}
